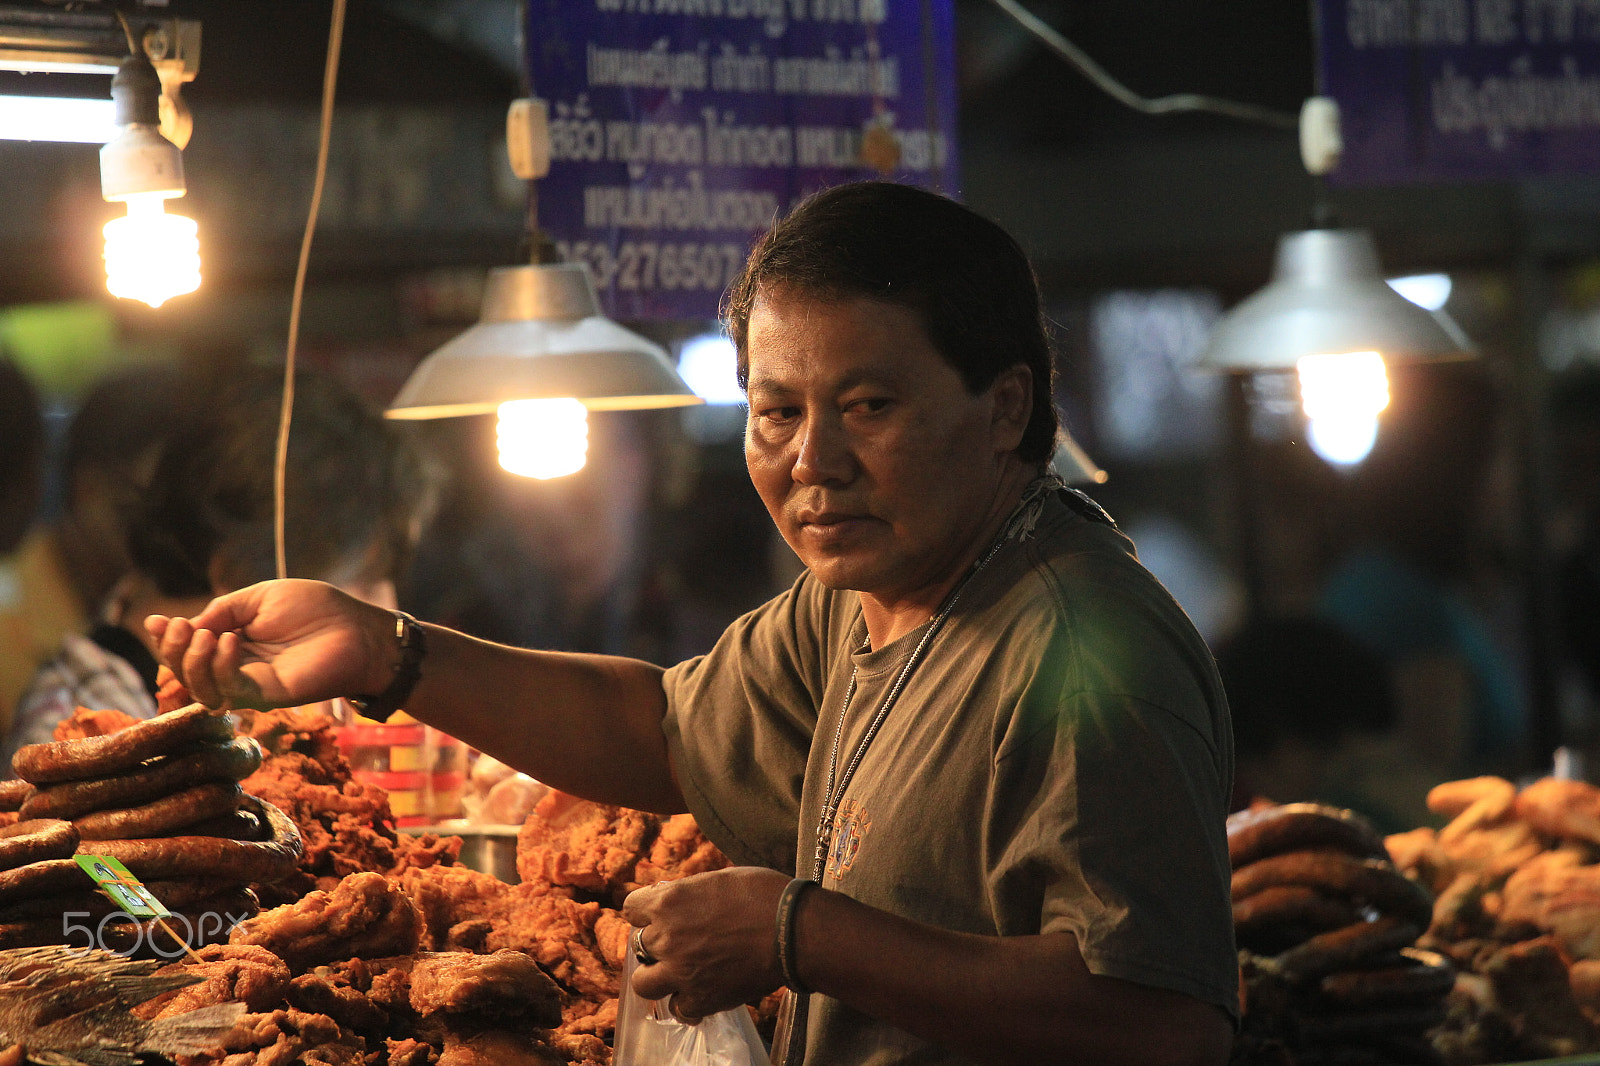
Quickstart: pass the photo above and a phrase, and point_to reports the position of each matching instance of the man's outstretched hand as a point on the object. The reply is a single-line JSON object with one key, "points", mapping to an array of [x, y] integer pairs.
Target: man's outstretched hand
{"points": [[278, 644]]}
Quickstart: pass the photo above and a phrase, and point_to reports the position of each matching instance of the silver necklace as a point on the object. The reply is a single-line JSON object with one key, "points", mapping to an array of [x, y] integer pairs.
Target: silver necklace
{"points": [[834, 792]]}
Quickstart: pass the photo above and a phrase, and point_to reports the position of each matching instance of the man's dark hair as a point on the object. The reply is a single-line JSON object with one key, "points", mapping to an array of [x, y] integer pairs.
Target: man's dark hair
{"points": [[966, 277], [354, 495]]}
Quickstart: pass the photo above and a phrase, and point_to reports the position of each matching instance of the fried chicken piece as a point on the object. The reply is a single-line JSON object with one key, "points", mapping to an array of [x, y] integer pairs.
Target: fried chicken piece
{"points": [[170, 692], [1416, 854], [1584, 977], [1531, 985], [87, 723], [1492, 795], [582, 1048], [569, 841], [409, 1052], [1558, 894], [345, 825], [323, 992], [1562, 808], [588, 1017], [506, 985], [424, 851], [680, 849], [496, 1047], [611, 932], [284, 1037], [365, 915], [450, 895], [227, 972], [560, 935], [390, 987]]}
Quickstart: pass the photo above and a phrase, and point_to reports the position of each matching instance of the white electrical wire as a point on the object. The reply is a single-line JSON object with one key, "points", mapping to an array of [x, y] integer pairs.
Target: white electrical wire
{"points": [[330, 76], [1161, 105]]}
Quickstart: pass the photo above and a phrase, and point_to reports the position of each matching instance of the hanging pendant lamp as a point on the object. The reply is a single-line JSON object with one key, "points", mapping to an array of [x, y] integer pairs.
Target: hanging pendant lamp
{"points": [[1328, 296], [541, 335]]}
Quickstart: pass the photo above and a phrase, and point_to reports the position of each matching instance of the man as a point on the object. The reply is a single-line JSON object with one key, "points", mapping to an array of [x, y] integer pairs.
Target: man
{"points": [[988, 733]]}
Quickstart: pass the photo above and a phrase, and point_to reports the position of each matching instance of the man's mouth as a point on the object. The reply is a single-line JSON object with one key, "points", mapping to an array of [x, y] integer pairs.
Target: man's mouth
{"points": [[827, 527]]}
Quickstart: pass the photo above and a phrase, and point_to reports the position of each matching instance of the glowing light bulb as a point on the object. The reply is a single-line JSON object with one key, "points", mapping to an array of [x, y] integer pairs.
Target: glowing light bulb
{"points": [[543, 438], [1342, 396], [150, 255]]}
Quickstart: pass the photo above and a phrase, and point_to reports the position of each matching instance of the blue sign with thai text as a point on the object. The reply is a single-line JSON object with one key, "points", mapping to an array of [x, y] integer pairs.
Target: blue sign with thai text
{"points": [[1443, 90], [681, 129]]}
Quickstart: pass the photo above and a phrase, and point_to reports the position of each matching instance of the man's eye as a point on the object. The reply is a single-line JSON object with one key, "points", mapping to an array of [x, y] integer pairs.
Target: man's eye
{"points": [[870, 404], [780, 414]]}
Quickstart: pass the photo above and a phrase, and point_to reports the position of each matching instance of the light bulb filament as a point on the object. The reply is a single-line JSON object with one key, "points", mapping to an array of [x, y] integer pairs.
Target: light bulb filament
{"points": [[543, 438], [150, 255], [1342, 396]]}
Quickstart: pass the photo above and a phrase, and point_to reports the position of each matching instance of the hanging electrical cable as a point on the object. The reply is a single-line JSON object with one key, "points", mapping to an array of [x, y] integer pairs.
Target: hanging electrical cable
{"points": [[330, 77], [1161, 105]]}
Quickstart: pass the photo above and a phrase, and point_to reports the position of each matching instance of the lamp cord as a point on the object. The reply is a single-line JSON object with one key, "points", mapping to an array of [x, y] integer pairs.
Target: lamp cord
{"points": [[1161, 105], [127, 31], [330, 77]]}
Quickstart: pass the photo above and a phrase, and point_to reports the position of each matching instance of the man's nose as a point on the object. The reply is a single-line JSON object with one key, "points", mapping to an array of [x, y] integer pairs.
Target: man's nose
{"points": [[825, 456]]}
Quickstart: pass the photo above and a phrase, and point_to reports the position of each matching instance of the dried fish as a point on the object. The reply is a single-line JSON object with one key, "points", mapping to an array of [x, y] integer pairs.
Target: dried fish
{"points": [[69, 1007]]}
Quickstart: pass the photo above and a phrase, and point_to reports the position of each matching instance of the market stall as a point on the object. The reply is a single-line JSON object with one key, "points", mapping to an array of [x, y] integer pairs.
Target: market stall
{"points": [[345, 940]]}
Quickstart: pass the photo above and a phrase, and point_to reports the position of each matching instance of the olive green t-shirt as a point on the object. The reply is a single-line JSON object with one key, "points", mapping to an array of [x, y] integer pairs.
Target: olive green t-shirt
{"points": [[1060, 760]]}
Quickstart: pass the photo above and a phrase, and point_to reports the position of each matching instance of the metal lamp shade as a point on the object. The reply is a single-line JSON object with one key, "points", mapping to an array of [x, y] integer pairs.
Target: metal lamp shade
{"points": [[541, 336], [1328, 296]]}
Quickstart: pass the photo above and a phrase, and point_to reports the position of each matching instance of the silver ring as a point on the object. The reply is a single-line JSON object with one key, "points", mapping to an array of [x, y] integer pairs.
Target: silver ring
{"points": [[640, 952]]}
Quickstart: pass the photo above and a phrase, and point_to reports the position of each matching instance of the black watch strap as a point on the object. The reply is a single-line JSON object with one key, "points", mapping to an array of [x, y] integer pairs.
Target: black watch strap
{"points": [[407, 672]]}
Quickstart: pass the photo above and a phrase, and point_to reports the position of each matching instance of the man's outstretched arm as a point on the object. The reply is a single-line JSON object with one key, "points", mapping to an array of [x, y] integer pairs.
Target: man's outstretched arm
{"points": [[586, 724]]}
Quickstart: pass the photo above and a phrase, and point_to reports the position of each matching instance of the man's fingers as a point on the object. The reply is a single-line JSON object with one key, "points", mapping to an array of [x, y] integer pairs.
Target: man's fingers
{"points": [[652, 982], [226, 613], [641, 905], [198, 668], [680, 1010]]}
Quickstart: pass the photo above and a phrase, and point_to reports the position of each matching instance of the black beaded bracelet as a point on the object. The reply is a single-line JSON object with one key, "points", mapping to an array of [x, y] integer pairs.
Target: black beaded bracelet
{"points": [[407, 672], [788, 903]]}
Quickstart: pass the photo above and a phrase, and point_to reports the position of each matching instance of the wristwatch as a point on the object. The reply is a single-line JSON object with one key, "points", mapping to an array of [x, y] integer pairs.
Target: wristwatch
{"points": [[407, 672]]}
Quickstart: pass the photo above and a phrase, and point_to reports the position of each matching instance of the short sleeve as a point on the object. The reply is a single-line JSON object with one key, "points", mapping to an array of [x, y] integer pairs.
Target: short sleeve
{"points": [[1109, 811], [739, 725]]}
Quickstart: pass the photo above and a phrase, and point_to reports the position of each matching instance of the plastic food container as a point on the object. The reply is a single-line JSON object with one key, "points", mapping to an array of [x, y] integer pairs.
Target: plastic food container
{"points": [[392, 757]]}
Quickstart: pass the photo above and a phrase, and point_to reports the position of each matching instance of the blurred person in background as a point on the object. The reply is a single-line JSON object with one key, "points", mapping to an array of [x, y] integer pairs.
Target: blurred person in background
{"points": [[1313, 718], [22, 446], [203, 525], [1574, 406], [67, 563], [1418, 579]]}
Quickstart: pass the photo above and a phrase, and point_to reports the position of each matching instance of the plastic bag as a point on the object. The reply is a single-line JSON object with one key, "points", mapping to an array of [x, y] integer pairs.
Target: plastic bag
{"points": [[648, 1034]]}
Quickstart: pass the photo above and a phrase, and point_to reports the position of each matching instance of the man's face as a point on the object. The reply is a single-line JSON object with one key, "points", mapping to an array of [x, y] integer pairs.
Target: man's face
{"points": [[879, 468]]}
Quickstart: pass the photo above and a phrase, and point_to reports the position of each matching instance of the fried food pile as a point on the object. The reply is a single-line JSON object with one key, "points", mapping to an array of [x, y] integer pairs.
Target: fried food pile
{"points": [[346, 825], [440, 965], [1517, 879], [375, 948], [162, 797], [1328, 927]]}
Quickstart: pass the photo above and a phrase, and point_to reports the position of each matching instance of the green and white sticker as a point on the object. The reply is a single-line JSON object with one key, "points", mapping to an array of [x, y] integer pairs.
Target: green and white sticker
{"points": [[124, 889]]}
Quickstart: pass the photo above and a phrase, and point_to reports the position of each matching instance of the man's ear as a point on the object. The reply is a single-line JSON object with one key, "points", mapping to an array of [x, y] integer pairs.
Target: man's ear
{"points": [[1012, 393]]}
